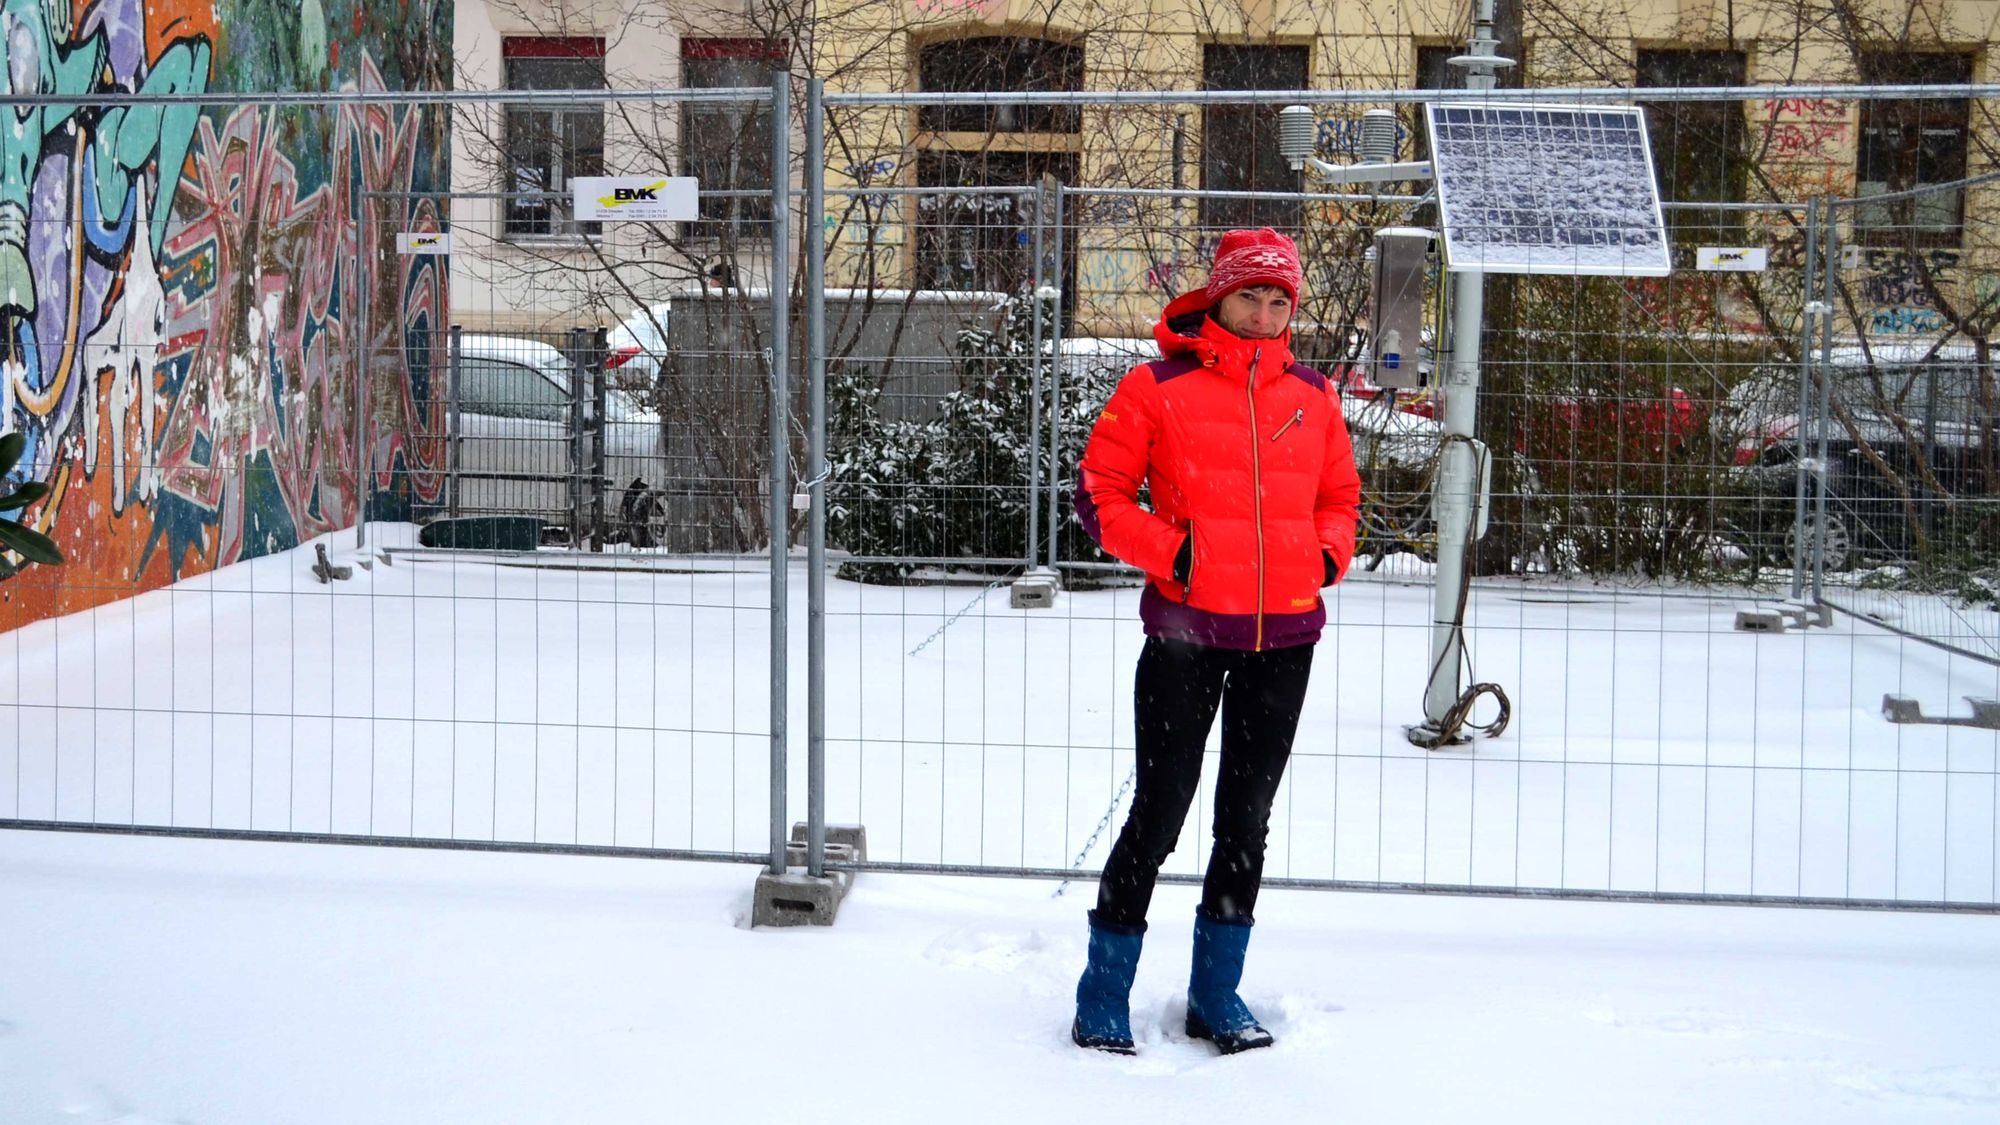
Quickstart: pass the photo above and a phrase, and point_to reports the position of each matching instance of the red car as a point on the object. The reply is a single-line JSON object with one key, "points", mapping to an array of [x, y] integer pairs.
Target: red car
{"points": [[1648, 427]]}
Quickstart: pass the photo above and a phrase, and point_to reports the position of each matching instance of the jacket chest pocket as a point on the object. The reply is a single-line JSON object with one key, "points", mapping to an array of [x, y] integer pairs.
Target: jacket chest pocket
{"points": [[1292, 442]]}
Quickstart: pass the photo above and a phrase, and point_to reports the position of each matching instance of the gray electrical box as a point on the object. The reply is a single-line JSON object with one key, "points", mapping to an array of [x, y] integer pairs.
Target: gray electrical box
{"points": [[1398, 275]]}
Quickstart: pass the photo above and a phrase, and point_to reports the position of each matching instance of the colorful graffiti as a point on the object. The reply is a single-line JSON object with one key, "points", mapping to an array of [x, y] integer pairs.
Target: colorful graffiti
{"points": [[179, 291], [1899, 289]]}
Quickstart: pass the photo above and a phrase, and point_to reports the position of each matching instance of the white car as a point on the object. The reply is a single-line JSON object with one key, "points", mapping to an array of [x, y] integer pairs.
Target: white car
{"points": [[637, 346], [525, 432]]}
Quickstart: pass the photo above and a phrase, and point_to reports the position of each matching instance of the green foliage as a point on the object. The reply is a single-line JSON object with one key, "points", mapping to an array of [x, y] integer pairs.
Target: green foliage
{"points": [[24, 541]]}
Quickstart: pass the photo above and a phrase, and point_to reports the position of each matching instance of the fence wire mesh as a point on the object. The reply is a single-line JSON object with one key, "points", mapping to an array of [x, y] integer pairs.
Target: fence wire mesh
{"points": [[502, 588], [1905, 506], [560, 627]]}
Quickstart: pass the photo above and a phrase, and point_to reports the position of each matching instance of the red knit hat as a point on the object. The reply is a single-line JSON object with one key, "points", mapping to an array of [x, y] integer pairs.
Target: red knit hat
{"points": [[1254, 257]]}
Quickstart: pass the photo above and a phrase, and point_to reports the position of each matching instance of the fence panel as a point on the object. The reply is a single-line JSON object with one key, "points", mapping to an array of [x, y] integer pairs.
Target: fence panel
{"points": [[551, 627], [1906, 505], [1656, 749]]}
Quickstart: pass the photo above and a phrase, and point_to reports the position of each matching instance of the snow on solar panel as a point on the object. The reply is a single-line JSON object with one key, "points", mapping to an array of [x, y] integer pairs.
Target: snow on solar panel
{"points": [[1547, 189]]}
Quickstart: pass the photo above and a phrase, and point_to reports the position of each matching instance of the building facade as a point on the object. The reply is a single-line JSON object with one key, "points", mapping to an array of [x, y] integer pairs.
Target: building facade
{"points": [[1126, 254]]}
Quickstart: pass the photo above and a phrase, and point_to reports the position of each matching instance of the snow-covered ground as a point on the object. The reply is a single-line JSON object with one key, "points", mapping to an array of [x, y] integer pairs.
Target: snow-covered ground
{"points": [[148, 982], [1652, 747]]}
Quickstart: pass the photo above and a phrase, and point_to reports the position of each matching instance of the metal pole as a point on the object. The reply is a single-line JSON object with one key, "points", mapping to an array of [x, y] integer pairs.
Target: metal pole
{"points": [[578, 460], [364, 293], [722, 95], [595, 370], [1035, 382], [1354, 95], [454, 421], [1454, 504], [1813, 309], [1830, 242], [780, 422], [815, 158], [1056, 376], [569, 98]]}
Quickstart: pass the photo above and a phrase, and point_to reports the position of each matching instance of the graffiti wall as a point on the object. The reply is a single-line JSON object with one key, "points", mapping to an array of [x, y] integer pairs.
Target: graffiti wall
{"points": [[184, 288]]}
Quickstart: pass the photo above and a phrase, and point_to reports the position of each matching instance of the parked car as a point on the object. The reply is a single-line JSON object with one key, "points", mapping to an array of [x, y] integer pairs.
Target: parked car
{"points": [[1884, 387], [1646, 426], [1874, 509], [1910, 449], [525, 430]]}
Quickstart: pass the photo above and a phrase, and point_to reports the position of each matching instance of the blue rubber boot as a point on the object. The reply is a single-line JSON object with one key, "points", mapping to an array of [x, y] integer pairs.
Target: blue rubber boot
{"points": [[1103, 996], [1215, 1012]]}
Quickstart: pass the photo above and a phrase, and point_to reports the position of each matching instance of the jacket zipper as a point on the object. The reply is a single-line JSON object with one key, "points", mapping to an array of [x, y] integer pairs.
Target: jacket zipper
{"points": [[1298, 416], [1257, 492]]}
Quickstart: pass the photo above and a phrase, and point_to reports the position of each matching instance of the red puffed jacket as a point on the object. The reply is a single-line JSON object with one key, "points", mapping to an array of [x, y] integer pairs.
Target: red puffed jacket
{"points": [[1247, 455]]}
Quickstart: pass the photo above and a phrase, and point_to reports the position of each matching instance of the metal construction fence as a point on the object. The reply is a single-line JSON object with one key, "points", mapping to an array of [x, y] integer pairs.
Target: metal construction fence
{"points": [[1904, 516], [534, 581]]}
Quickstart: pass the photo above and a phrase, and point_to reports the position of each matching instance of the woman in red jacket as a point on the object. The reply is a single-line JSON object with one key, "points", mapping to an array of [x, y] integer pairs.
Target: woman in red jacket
{"points": [[1254, 498]]}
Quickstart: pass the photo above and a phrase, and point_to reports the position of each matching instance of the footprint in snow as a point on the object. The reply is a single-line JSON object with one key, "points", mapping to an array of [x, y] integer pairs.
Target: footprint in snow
{"points": [[1692, 1022], [1703, 1022], [1965, 1086], [1042, 965]]}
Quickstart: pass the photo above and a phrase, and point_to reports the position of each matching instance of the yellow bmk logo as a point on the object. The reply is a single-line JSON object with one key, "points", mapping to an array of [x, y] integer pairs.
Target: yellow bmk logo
{"points": [[621, 196]]}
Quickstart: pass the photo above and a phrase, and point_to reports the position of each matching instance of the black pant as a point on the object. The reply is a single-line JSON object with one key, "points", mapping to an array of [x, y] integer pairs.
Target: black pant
{"points": [[1178, 688]]}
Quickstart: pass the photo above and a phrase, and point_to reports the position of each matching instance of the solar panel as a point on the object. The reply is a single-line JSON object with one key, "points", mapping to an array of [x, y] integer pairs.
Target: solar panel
{"points": [[1547, 189]]}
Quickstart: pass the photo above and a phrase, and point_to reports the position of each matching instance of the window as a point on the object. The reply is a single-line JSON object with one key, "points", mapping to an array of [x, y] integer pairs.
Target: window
{"points": [[509, 390], [728, 146], [1000, 62], [1239, 143], [1697, 146], [546, 146], [982, 242], [1909, 143], [986, 241], [1434, 71]]}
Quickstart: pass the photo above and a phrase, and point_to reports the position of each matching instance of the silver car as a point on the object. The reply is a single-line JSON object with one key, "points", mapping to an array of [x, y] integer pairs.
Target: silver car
{"points": [[525, 437]]}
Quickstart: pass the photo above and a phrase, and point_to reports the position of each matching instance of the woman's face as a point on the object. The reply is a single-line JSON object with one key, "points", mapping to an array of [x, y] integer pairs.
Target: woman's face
{"points": [[1258, 312]]}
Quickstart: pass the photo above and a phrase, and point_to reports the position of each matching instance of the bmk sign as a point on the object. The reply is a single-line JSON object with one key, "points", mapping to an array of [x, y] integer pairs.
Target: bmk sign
{"points": [[1730, 259], [646, 198], [426, 243]]}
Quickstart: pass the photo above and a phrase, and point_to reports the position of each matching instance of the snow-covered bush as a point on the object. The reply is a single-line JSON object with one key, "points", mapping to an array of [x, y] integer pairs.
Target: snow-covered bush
{"points": [[953, 484]]}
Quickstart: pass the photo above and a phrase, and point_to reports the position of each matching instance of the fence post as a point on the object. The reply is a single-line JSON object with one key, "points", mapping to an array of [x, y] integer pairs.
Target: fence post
{"points": [[1812, 308], [780, 424], [577, 459], [1055, 390], [816, 462], [1035, 386], [454, 423], [599, 427], [1823, 421], [363, 298]]}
